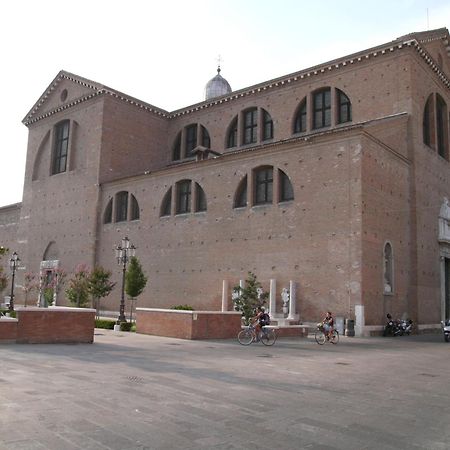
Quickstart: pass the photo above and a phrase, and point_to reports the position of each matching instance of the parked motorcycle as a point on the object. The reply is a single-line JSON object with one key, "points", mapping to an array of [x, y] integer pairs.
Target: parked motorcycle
{"points": [[397, 327], [446, 329]]}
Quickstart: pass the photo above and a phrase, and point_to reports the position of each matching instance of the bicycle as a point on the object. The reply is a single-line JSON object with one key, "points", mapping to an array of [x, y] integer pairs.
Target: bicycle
{"points": [[248, 335], [321, 337]]}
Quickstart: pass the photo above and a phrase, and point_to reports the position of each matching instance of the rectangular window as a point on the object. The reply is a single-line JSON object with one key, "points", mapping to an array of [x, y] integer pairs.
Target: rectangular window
{"points": [[61, 147], [183, 197], [121, 206], [191, 139], [232, 136], [263, 186], [250, 126], [322, 109]]}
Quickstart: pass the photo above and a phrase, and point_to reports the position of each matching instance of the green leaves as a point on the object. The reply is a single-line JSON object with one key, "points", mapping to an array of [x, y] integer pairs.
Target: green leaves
{"points": [[248, 298], [135, 280]]}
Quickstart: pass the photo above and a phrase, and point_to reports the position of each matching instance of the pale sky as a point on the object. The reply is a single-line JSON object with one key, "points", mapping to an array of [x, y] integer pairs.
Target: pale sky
{"points": [[164, 52]]}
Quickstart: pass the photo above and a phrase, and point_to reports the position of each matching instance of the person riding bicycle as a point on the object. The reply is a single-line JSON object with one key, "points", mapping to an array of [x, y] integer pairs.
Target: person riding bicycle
{"points": [[328, 324], [261, 319]]}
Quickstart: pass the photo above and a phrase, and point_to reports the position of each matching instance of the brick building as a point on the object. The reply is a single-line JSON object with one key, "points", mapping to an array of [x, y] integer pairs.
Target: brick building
{"points": [[333, 178]]}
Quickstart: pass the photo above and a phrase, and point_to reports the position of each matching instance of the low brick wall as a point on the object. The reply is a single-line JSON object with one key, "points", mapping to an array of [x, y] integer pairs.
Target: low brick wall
{"points": [[188, 324], [55, 325], [8, 330]]}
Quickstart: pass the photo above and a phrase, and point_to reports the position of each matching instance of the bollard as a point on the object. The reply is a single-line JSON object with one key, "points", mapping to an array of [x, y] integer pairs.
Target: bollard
{"points": [[349, 327]]}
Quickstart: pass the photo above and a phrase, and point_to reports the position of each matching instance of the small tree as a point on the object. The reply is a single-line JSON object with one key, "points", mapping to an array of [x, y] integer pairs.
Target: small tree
{"points": [[248, 298], [135, 280], [3, 277], [99, 286], [30, 285], [78, 290]]}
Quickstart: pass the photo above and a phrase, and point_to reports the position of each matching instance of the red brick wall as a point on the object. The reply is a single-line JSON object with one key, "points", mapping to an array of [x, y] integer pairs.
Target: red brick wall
{"points": [[55, 325], [188, 324], [8, 330]]}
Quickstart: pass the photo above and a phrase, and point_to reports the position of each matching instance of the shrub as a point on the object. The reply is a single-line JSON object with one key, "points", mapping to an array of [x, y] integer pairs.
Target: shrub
{"points": [[105, 324], [183, 307], [125, 326]]}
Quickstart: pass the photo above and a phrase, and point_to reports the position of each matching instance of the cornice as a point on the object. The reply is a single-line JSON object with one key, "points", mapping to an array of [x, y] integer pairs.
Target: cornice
{"points": [[411, 41], [345, 62]]}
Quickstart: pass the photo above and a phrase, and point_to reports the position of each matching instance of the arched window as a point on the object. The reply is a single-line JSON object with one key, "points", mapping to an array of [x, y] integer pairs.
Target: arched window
{"points": [[134, 213], [240, 198], [121, 206], [388, 266], [60, 147], [200, 199], [286, 191], [435, 125], [184, 147], [344, 107], [267, 126], [107, 216], [441, 126], [427, 122], [263, 193], [322, 108], [300, 118], [232, 134], [166, 205]]}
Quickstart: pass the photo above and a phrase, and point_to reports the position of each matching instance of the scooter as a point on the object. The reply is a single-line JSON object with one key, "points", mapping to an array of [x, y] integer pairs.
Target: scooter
{"points": [[446, 329], [391, 328]]}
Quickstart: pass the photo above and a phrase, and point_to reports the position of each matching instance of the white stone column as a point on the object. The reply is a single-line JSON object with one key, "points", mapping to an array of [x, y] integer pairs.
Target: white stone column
{"points": [[225, 295], [360, 322], [292, 300], [272, 298]]}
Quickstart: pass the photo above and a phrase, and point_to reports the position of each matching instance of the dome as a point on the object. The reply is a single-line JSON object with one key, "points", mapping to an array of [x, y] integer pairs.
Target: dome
{"points": [[217, 86]]}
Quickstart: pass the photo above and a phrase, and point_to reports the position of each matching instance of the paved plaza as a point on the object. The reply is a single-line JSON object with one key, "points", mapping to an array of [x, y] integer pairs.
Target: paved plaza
{"points": [[129, 391]]}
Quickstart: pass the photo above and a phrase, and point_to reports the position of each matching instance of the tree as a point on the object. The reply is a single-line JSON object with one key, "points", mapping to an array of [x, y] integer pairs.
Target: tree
{"points": [[78, 290], [30, 285], [248, 298], [3, 277], [135, 280], [99, 286]]}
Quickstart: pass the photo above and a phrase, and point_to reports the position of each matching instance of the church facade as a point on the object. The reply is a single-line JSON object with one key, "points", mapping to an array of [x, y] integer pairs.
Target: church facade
{"points": [[333, 179]]}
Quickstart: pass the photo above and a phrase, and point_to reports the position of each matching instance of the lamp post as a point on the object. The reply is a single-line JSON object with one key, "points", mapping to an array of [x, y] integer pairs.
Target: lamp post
{"points": [[14, 262], [124, 252]]}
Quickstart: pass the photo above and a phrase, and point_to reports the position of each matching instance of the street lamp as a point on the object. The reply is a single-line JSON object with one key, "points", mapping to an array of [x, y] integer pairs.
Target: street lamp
{"points": [[14, 262], [124, 252]]}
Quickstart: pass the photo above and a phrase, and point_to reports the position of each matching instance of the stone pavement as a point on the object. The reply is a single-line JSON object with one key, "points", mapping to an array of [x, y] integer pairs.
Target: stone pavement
{"points": [[129, 391]]}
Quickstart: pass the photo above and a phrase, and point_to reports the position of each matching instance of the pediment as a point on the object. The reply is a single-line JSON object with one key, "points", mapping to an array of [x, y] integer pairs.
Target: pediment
{"points": [[64, 90]]}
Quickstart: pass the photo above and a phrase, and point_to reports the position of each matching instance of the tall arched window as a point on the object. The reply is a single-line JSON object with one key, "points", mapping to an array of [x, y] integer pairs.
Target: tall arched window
{"points": [[267, 126], [232, 134], [60, 147], [200, 199], [388, 266], [435, 125]]}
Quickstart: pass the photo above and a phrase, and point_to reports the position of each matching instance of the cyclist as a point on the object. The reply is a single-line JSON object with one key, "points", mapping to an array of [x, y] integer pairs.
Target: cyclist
{"points": [[328, 325], [260, 320]]}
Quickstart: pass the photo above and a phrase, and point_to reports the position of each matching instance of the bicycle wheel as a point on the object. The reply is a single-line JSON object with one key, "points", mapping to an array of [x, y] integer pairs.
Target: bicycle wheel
{"points": [[334, 339], [320, 337], [245, 337], [268, 337]]}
